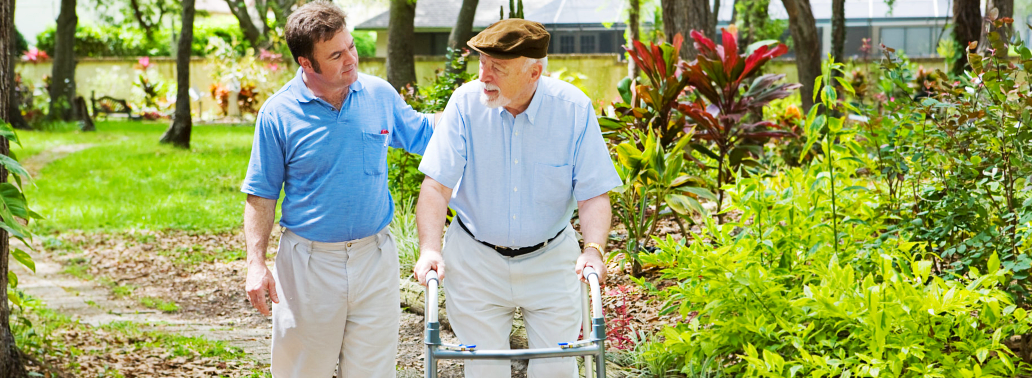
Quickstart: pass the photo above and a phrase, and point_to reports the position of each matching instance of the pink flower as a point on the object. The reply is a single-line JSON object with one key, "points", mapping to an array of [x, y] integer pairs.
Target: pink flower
{"points": [[267, 55], [143, 63], [35, 55]]}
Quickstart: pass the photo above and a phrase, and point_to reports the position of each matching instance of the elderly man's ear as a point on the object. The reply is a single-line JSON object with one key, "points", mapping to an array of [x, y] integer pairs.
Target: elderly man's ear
{"points": [[535, 71]]}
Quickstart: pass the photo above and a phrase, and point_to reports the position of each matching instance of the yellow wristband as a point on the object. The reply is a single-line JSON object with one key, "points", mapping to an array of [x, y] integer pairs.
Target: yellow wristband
{"points": [[596, 246]]}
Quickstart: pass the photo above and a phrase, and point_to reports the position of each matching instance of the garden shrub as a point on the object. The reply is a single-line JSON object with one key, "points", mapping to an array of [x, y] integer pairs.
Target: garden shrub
{"points": [[952, 155], [404, 175], [130, 41], [812, 280], [365, 43], [767, 295]]}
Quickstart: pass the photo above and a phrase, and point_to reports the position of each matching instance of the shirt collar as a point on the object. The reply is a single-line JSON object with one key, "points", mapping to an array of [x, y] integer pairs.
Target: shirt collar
{"points": [[303, 94], [535, 103], [532, 109]]}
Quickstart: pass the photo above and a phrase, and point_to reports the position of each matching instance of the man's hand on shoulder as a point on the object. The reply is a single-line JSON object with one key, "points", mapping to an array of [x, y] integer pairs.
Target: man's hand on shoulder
{"points": [[260, 281], [429, 260], [593, 258]]}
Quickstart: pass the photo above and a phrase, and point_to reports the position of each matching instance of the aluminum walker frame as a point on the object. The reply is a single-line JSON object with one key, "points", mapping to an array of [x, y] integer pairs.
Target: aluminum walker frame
{"points": [[592, 347]]}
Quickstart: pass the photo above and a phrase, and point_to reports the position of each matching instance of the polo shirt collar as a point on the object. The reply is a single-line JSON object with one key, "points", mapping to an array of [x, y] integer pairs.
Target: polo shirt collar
{"points": [[303, 94]]}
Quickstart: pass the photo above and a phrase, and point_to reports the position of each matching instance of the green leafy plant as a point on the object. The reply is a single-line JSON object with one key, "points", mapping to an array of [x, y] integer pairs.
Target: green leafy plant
{"points": [[128, 40], [654, 180], [768, 296], [14, 210], [729, 89], [405, 177], [952, 153]]}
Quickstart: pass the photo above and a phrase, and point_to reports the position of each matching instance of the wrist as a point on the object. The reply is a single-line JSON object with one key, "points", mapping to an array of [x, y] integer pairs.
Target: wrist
{"points": [[597, 248]]}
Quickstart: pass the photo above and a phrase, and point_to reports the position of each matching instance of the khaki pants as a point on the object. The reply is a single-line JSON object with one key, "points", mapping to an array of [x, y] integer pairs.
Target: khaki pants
{"points": [[483, 290], [338, 307]]}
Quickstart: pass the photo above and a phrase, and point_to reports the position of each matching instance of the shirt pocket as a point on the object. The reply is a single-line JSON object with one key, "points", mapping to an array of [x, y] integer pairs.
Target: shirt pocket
{"points": [[553, 185], [374, 152]]}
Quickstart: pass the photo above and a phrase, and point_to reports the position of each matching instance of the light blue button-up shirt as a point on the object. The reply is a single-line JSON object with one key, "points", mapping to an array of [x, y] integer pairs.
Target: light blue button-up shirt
{"points": [[516, 180], [332, 164]]}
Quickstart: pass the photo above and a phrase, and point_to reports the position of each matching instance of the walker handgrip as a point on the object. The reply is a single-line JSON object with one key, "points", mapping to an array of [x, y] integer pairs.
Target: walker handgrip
{"points": [[431, 296], [587, 271], [596, 292]]}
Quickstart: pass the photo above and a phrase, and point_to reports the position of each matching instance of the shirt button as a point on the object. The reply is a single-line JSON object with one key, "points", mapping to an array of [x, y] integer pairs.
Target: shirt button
{"points": [[516, 133], [513, 217], [514, 189], [517, 161]]}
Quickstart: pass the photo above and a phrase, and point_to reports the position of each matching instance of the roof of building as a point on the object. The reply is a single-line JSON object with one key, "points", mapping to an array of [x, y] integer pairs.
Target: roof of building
{"points": [[433, 14], [441, 14]]}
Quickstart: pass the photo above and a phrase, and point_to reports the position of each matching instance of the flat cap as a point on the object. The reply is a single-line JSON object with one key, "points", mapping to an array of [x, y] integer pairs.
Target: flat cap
{"points": [[512, 38]]}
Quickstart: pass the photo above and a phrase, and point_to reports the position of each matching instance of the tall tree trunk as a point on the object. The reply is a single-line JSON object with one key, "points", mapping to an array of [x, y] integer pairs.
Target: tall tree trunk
{"points": [[683, 16], [715, 16], [178, 134], [462, 32], [62, 85], [633, 34], [11, 364], [838, 30], [401, 65], [804, 36], [967, 28]]}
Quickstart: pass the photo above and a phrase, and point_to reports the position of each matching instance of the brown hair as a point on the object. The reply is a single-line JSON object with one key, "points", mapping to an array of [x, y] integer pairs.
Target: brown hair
{"points": [[317, 21]]}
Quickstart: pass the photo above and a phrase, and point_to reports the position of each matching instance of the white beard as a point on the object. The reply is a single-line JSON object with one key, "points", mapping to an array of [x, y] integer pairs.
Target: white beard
{"points": [[499, 100]]}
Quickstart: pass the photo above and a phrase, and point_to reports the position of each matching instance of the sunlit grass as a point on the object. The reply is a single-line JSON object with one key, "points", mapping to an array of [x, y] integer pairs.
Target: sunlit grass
{"points": [[129, 180]]}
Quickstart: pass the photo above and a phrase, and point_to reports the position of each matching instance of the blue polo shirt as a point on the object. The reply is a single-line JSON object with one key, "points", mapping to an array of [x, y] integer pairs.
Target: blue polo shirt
{"points": [[332, 165], [515, 180]]}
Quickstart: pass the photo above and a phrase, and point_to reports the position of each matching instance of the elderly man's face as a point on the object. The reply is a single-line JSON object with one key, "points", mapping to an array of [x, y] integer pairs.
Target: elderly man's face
{"points": [[505, 80]]}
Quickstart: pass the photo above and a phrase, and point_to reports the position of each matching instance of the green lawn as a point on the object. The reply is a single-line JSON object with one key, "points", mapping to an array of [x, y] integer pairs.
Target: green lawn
{"points": [[128, 180]]}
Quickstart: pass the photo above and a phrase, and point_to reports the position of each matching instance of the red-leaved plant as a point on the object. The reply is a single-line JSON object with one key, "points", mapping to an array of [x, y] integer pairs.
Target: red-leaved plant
{"points": [[651, 105], [728, 92]]}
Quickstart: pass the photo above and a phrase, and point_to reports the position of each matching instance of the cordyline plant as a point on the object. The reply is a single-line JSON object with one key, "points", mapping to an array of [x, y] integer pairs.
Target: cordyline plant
{"points": [[652, 106], [728, 92]]}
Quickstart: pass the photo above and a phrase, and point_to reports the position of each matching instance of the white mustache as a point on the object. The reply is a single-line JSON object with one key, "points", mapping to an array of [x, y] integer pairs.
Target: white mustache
{"points": [[490, 87]]}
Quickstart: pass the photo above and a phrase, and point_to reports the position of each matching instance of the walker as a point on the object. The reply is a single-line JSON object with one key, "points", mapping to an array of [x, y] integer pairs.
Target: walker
{"points": [[592, 347]]}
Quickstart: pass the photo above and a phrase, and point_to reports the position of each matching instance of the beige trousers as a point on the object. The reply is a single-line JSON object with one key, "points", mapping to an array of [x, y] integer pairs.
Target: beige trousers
{"points": [[483, 290], [338, 307]]}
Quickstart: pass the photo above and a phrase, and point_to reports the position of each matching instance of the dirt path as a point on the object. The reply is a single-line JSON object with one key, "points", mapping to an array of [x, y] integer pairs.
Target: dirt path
{"points": [[92, 304], [35, 163]]}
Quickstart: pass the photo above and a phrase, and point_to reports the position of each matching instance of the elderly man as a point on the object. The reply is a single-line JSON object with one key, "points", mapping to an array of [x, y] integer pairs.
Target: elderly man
{"points": [[513, 153], [323, 139]]}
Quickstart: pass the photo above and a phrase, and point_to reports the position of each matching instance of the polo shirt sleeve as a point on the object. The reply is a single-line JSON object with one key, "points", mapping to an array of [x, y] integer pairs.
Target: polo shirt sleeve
{"points": [[593, 171], [412, 130], [265, 170], [445, 157]]}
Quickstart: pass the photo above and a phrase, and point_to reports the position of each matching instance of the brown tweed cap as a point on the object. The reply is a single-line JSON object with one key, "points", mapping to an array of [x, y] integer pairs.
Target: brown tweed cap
{"points": [[512, 38]]}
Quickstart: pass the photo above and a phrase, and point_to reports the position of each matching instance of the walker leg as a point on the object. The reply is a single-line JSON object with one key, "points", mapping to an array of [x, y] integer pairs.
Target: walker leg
{"points": [[589, 366], [430, 362]]}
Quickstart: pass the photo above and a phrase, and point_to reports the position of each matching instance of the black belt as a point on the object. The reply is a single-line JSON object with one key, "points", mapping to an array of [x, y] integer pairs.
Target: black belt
{"points": [[509, 252]]}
